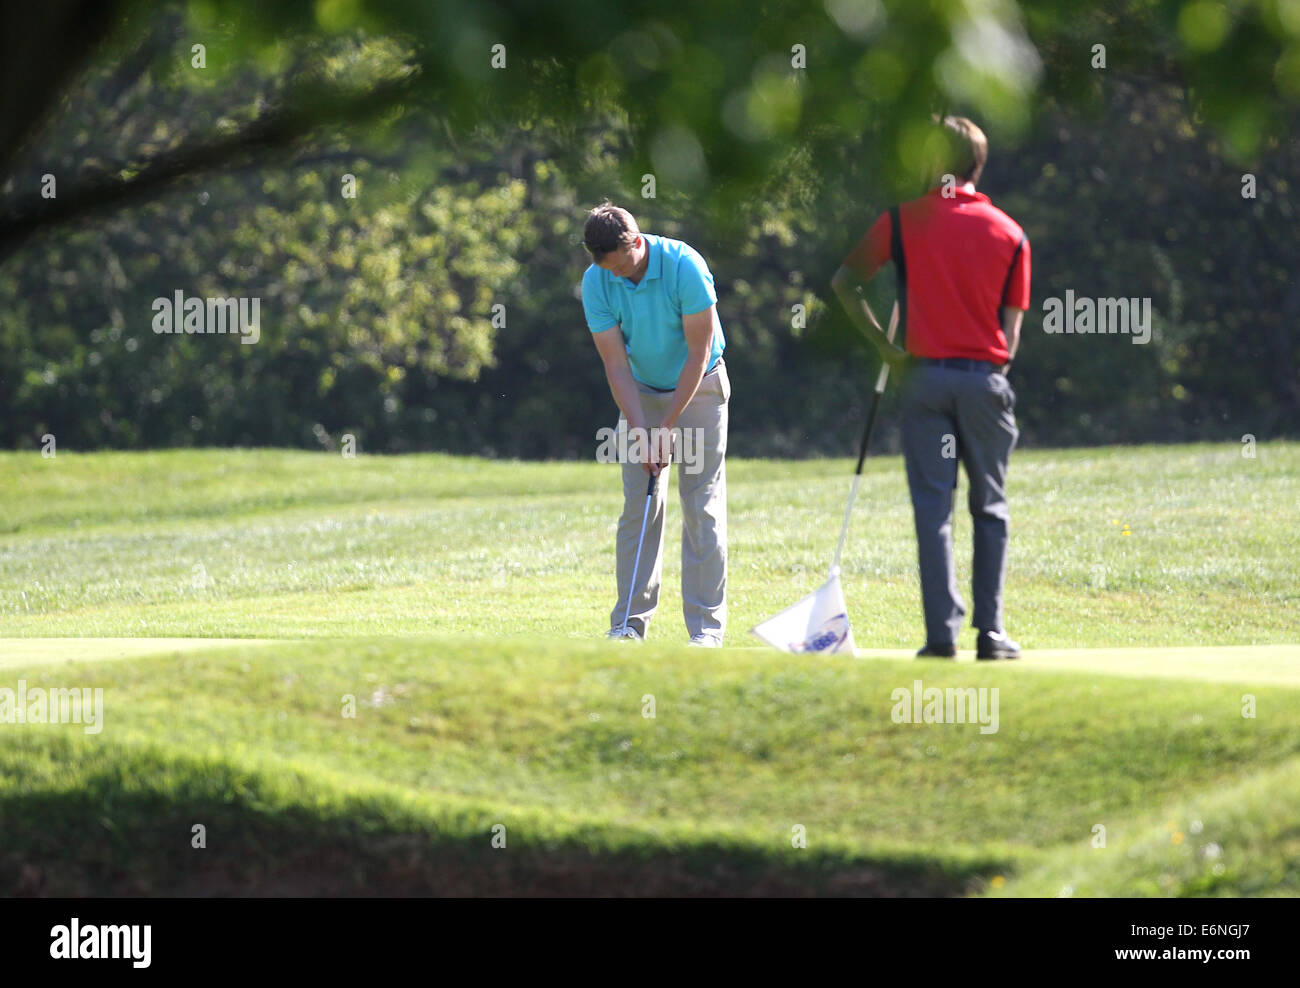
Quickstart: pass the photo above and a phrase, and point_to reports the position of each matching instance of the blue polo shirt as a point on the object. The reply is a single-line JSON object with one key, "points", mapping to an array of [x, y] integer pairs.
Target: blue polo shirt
{"points": [[677, 282]]}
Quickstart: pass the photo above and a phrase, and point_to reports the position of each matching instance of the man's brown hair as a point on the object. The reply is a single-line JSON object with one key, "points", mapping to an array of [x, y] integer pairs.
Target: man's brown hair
{"points": [[608, 228], [970, 148]]}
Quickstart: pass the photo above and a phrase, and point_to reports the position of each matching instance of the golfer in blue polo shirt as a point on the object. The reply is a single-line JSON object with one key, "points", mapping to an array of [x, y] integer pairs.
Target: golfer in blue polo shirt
{"points": [[652, 311]]}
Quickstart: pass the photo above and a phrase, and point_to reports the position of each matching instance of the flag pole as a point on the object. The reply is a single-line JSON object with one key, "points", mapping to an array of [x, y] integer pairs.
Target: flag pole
{"points": [[881, 378]]}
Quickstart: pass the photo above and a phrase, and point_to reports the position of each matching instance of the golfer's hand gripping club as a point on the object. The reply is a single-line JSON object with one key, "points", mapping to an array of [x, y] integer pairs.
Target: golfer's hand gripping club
{"points": [[661, 451]]}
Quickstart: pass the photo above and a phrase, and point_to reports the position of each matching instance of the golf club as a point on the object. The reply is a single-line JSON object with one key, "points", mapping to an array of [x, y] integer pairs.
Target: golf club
{"points": [[636, 565]]}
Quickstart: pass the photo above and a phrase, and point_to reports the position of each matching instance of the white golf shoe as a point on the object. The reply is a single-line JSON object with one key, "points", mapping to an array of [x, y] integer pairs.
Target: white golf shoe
{"points": [[705, 641], [625, 634]]}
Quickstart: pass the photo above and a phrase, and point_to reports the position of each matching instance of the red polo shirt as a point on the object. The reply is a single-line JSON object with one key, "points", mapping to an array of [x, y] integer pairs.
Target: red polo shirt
{"points": [[959, 272]]}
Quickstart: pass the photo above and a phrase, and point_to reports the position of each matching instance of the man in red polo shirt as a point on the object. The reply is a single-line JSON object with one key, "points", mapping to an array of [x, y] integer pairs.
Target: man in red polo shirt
{"points": [[965, 291]]}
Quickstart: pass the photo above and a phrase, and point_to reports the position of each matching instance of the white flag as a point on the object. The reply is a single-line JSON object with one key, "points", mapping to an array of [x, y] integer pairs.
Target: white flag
{"points": [[818, 623]]}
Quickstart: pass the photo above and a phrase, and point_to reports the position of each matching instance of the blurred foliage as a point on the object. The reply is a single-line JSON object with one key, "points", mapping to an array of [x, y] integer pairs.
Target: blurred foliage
{"points": [[775, 132]]}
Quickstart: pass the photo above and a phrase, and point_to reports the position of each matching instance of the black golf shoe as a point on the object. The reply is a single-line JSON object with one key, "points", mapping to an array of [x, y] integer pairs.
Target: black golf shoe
{"points": [[996, 645], [933, 651]]}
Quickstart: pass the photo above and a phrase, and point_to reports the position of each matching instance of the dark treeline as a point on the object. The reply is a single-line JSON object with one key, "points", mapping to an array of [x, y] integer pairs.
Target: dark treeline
{"points": [[437, 308]]}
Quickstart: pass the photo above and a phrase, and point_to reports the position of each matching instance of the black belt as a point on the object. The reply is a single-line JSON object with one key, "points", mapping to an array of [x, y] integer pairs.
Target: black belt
{"points": [[959, 363], [668, 391]]}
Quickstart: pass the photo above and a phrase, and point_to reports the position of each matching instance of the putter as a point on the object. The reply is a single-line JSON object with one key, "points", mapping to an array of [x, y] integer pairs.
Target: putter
{"points": [[636, 565]]}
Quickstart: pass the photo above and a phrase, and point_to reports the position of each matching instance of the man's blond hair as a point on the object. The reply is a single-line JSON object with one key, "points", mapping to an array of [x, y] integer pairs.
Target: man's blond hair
{"points": [[970, 148]]}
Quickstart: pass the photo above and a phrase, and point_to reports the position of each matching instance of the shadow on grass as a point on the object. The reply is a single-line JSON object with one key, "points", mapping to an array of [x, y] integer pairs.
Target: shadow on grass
{"points": [[123, 825]]}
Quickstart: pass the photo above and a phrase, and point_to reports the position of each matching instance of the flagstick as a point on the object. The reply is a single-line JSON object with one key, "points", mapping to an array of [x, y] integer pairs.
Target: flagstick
{"points": [[881, 378]]}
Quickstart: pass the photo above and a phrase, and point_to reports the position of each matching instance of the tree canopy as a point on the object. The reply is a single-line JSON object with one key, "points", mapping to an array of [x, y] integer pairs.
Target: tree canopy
{"points": [[206, 145]]}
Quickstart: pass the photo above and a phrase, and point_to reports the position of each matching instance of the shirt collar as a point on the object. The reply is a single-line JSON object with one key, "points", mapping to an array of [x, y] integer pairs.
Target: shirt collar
{"points": [[656, 265]]}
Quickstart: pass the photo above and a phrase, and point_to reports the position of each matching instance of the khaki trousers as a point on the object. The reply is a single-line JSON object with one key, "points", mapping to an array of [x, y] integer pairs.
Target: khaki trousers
{"points": [[702, 486]]}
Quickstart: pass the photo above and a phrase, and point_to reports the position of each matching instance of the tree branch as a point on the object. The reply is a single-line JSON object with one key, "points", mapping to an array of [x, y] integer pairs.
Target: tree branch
{"points": [[277, 131], [44, 46]]}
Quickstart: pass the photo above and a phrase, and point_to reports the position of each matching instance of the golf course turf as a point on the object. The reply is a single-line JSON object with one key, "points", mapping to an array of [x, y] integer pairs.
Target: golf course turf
{"points": [[385, 676]]}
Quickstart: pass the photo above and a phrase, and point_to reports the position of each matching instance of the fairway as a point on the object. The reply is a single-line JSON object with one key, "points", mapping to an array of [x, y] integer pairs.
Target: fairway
{"points": [[1118, 548], [363, 669]]}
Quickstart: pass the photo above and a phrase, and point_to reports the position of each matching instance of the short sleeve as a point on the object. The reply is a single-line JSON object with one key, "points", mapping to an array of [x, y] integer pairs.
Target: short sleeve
{"points": [[1016, 295], [695, 291], [595, 304], [872, 250]]}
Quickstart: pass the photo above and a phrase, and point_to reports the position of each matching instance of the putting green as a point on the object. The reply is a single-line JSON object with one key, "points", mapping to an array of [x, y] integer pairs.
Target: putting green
{"points": [[46, 651], [1274, 665]]}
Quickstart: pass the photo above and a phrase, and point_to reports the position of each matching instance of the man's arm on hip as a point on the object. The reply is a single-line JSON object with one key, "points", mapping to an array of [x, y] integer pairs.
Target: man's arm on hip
{"points": [[1011, 319], [845, 285]]}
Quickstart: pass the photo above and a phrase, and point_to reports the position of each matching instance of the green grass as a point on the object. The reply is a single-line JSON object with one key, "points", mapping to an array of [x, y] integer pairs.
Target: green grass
{"points": [[457, 600], [302, 545]]}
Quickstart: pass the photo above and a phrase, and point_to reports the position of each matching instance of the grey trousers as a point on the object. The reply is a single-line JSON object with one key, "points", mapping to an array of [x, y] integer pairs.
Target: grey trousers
{"points": [[950, 415], [702, 485]]}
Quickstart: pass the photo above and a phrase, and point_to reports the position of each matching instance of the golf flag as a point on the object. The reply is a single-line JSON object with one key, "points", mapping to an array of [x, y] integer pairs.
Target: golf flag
{"points": [[818, 623]]}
